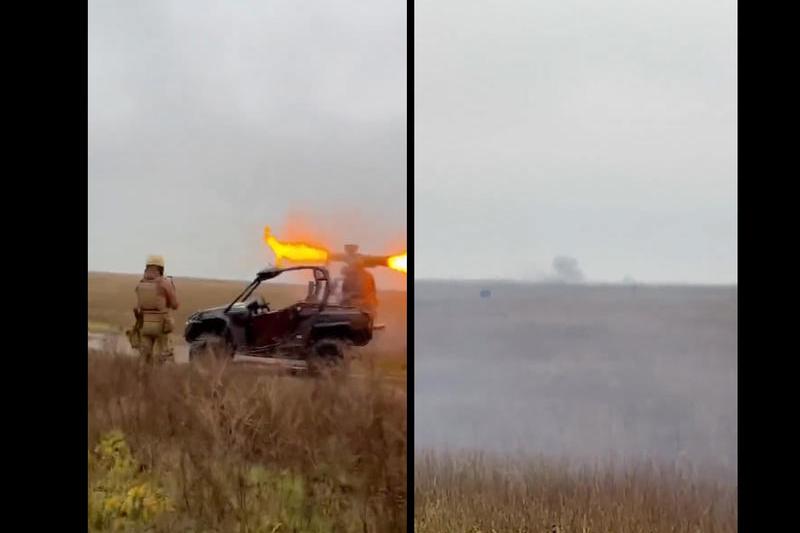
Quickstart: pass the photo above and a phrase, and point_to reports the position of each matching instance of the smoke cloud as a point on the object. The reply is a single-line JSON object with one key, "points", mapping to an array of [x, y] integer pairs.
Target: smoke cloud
{"points": [[567, 270]]}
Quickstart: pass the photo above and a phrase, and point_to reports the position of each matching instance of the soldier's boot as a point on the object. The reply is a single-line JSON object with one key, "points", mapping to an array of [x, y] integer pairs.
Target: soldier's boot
{"points": [[166, 357]]}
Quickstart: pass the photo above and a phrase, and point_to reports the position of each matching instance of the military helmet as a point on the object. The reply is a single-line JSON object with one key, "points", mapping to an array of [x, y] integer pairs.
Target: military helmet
{"points": [[155, 260]]}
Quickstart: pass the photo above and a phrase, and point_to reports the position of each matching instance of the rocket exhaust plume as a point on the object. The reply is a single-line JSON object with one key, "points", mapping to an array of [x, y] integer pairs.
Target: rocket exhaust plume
{"points": [[302, 252], [296, 252]]}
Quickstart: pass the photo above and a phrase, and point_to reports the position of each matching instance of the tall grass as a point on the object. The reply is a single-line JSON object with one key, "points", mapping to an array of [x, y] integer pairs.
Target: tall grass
{"points": [[232, 449], [476, 492]]}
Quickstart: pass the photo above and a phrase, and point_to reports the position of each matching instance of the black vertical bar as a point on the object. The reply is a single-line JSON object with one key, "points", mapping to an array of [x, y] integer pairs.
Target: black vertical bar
{"points": [[410, 274]]}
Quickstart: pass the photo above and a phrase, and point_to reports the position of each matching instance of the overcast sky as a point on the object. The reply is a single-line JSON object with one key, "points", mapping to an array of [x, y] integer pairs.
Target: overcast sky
{"points": [[601, 130], [210, 120], [604, 131]]}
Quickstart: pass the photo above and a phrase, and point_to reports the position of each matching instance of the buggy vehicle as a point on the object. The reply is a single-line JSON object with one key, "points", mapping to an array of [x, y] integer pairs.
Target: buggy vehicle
{"points": [[315, 330]]}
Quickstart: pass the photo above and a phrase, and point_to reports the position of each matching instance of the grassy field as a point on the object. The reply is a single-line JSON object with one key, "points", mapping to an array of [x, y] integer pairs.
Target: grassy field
{"points": [[647, 375], [199, 448], [206, 448], [225, 448], [476, 493]]}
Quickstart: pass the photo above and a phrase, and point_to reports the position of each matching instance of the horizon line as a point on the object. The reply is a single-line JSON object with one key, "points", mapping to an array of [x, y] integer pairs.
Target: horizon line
{"points": [[236, 280]]}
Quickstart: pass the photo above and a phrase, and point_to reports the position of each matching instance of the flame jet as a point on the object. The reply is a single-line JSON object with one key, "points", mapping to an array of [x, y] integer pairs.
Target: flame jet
{"points": [[358, 285], [301, 252]]}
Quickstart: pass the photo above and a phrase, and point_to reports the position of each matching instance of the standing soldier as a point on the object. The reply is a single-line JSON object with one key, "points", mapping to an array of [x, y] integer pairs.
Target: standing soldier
{"points": [[155, 296]]}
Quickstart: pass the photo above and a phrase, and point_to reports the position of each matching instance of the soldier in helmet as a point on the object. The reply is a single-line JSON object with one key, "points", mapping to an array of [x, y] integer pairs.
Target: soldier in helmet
{"points": [[156, 296], [351, 252]]}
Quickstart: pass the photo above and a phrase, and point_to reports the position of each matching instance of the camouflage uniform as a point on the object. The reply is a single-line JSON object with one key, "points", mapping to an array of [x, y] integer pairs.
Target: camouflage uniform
{"points": [[155, 296]]}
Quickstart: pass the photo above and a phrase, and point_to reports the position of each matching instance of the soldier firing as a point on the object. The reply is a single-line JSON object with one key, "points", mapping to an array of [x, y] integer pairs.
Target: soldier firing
{"points": [[358, 286]]}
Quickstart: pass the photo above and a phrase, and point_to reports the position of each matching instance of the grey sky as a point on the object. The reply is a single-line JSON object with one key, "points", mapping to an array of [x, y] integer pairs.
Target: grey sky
{"points": [[210, 120], [602, 130]]}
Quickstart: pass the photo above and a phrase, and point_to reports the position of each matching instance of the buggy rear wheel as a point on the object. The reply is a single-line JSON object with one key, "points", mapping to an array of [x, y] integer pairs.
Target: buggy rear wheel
{"points": [[327, 355]]}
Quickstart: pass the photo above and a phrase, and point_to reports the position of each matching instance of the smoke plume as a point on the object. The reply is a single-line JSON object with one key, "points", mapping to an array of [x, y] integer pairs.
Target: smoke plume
{"points": [[567, 270]]}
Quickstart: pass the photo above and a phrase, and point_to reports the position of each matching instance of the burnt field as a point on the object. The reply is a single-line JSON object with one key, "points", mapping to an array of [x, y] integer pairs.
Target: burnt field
{"points": [[585, 373]]}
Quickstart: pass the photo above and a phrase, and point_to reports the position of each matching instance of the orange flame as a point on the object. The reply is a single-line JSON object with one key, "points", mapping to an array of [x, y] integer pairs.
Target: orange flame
{"points": [[303, 252], [294, 251], [397, 262]]}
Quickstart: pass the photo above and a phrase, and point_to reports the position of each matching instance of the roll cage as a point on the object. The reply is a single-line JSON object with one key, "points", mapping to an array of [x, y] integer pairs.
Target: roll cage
{"points": [[320, 275]]}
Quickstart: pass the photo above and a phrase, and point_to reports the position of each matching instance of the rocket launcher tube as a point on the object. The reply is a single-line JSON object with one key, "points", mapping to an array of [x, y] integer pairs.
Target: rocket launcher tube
{"points": [[366, 261]]}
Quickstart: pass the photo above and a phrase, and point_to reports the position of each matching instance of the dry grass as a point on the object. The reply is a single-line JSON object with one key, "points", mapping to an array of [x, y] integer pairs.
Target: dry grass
{"points": [[111, 300], [237, 450], [472, 493], [231, 448]]}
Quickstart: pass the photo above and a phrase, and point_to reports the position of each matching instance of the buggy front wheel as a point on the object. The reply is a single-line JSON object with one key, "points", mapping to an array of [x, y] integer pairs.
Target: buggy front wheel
{"points": [[210, 344]]}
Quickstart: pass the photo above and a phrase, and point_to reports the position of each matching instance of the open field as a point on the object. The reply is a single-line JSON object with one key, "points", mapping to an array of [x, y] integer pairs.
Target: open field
{"points": [[592, 408], [578, 371], [111, 300], [234, 447]]}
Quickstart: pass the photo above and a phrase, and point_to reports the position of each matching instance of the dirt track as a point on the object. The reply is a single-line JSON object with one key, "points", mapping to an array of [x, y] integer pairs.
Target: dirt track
{"points": [[116, 343]]}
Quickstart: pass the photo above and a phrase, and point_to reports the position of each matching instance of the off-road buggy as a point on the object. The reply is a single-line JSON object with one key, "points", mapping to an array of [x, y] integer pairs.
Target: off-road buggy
{"points": [[315, 330]]}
